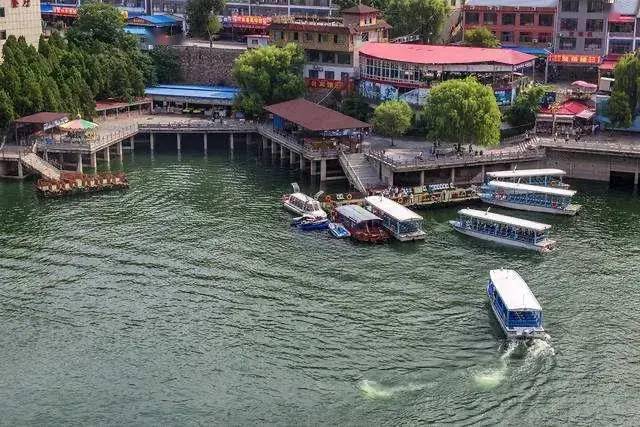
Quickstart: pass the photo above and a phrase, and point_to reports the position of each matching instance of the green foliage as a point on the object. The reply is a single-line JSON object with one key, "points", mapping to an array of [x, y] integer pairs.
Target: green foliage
{"points": [[97, 59], [463, 111], [526, 106], [627, 78], [356, 106], [619, 109], [392, 118], [422, 17], [198, 13], [268, 75], [7, 114], [378, 4], [480, 37], [166, 63]]}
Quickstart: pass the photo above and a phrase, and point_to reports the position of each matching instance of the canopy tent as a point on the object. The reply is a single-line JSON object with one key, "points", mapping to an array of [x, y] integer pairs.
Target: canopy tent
{"points": [[78, 125], [585, 86]]}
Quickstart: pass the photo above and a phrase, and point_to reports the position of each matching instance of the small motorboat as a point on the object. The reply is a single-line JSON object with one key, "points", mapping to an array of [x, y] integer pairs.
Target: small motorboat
{"points": [[338, 230], [309, 224]]}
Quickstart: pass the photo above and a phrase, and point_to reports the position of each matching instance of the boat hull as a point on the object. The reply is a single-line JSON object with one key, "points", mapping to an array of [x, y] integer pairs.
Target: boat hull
{"points": [[542, 247], [338, 231], [569, 210], [523, 333], [418, 235], [297, 211]]}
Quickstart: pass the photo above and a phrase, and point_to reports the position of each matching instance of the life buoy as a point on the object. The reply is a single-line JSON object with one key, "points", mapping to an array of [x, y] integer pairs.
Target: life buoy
{"points": [[554, 205], [327, 199], [349, 196], [400, 200]]}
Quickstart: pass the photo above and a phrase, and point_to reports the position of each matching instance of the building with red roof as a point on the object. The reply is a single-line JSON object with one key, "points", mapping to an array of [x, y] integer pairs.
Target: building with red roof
{"points": [[388, 71]]}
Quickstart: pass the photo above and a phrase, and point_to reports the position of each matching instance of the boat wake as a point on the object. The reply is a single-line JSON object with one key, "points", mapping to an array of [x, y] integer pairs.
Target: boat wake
{"points": [[375, 390], [488, 379]]}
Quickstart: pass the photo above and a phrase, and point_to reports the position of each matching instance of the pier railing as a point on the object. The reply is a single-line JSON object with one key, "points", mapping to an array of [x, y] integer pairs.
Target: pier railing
{"points": [[86, 144], [455, 161], [605, 146], [228, 126]]}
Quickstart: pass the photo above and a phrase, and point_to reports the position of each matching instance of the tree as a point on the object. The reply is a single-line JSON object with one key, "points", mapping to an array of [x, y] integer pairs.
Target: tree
{"points": [[463, 111], [480, 37], [392, 119], [98, 23], [381, 5], [267, 75], [166, 63], [213, 27], [7, 114], [356, 106], [619, 109], [198, 13], [422, 17], [526, 106], [627, 78]]}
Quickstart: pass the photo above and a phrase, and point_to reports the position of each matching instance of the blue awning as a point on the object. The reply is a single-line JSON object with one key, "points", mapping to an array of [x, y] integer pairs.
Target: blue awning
{"points": [[138, 31], [538, 51], [212, 94], [46, 8]]}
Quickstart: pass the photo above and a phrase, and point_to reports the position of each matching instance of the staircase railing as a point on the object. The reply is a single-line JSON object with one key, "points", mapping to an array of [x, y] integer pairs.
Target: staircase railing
{"points": [[351, 173]]}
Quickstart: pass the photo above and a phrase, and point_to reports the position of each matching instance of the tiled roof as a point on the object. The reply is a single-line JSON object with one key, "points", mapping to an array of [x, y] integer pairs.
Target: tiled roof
{"points": [[314, 117]]}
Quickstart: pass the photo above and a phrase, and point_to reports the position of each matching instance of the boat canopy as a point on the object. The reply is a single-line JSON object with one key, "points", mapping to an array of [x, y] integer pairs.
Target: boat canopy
{"points": [[525, 173], [356, 213], [528, 188], [303, 197], [393, 209], [503, 219], [513, 291]]}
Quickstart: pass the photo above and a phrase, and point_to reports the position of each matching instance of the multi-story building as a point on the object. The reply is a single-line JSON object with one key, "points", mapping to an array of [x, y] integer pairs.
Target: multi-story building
{"points": [[20, 18], [581, 26], [331, 45], [623, 27], [281, 7], [514, 22]]}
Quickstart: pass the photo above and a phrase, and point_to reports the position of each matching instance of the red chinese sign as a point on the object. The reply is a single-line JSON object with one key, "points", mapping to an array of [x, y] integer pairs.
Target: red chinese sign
{"points": [[563, 58], [329, 84], [65, 11], [16, 3], [247, 21]]}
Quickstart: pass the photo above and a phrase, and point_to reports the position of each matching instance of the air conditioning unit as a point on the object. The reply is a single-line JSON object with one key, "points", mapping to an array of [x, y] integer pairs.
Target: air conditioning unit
{"points": [[534, 40]]}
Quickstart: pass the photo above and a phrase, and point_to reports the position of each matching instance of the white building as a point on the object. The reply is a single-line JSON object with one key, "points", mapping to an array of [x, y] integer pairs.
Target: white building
{"points": [[20, 18]]}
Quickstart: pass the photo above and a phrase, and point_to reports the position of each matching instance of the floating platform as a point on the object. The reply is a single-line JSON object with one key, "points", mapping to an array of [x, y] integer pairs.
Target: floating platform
{"points": [[74, 183]]}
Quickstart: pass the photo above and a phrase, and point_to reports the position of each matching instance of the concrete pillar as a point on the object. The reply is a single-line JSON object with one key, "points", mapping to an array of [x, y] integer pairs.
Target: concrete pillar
{"points": [[635, 178], [107, 157], [282, 153], [302, 162], [46, 155], [274, 148], [61, 160], [179, 142], [231, 141], [265, 144], [119, 148], [453, 175], [152, 140], [313, 168], [484, 171], [94, 160], [248, 140], [421, 178], [20, 171], [79, 169], [292, 157], [132, 142], [205, 143], [323, 170]]}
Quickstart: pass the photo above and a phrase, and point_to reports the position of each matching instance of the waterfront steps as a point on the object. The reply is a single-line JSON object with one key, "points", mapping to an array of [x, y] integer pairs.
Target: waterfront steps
{"points": [[38, 164], [360, 172]]}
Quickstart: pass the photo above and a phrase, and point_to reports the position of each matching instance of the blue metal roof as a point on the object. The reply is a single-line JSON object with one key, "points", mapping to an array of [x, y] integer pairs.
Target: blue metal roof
{"points": [[138, 31], [538, 51], [46, 8], [159, 20], [222, 93], [356, 213]]}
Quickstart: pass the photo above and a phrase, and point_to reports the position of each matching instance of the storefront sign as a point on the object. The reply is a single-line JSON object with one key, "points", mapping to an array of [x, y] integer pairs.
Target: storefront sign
{"points": [[326, 84], [16, 3], [65, 11], [246, 21], [563, 58]]}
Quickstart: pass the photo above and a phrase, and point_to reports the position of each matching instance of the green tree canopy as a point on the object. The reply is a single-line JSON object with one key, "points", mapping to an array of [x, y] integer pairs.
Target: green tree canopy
{"points": [[7, 115], [619, 109], [213, 28], [392, 118], [463, 111], [627, 78], [422, 17], [166, 63], [198, 13], [480, 37], [268, 75], [98, 23], [526, 106], [356, 106]]}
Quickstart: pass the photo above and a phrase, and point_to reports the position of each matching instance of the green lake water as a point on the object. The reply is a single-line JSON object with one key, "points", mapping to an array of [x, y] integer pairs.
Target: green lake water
{"points": [[189, 299]]}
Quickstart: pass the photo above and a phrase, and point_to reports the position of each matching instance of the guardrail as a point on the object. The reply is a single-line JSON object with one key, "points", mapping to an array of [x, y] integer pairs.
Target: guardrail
{"points": [[344, 161], [200, 125], [606, 146]]}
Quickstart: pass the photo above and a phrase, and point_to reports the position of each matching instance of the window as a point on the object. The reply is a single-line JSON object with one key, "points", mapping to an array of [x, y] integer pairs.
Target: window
{"points": [[327, 57], [620, 46], [295, 36], [506, 36], [344, 76], [324, 38], [526, 19], [595, 6], [570, 5], [279, 35], [545, 20], [365, 37], [525, 38], [624, 28], [308, 37], [313, 74], [313, 56], [594, 25], [567, 43], [340, 39], [329, 75], [568, 24], [508, 19], [3, 35], [1, 12], [545, 37], [592, 44], [490, 18], [471, 18], [344, 58]]}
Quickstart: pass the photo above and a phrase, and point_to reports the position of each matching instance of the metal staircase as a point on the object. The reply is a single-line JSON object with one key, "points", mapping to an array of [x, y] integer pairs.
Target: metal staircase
{"points": [[44, 168], [360, 173]]}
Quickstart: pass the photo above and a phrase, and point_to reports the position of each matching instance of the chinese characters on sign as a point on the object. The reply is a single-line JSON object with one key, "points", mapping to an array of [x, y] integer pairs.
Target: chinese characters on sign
{"points": [[246, 21], [16, 3], [563, 58], [65, 11], [329, 84]]}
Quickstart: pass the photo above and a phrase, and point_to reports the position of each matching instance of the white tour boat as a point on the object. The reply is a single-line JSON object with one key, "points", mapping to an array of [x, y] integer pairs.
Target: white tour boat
{"points": [[301, 204], [503, 229], [543, 177], [514, 305], [403, 224], [527, 197]]}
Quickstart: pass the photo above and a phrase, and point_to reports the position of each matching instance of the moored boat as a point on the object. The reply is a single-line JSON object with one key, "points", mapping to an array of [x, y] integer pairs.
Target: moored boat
{"points": [[309, 224], [540, 177], [301, 204], [338, 230], [516, 308], [403, 224], [362, 224], [506, 230], [528, 197]]}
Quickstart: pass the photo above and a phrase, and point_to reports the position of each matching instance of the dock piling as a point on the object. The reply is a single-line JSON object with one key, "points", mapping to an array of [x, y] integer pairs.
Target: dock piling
{"points": [[179, 142], [231, 141], [205, 143], [20, 171], [302, 162], [274, 147], [323, 170], [119, 148], [292, 157], [107, 157], [79, 169], [94, 160], [313, 172]]}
